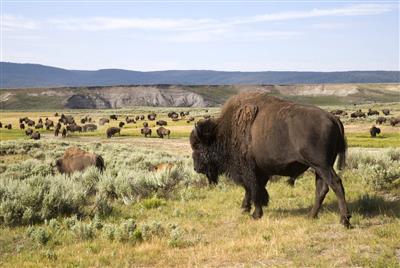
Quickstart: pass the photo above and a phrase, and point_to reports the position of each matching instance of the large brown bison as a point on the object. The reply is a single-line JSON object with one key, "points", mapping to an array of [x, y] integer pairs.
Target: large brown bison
{"points": [[357, 114], [146, 131], [380, 120], [75, 159], [103, 121], [394, 121], [35, 135], [111, 131], [374, 131], [89, 127], [258, 136], [372, 112], [161, 123], [162, 132]]}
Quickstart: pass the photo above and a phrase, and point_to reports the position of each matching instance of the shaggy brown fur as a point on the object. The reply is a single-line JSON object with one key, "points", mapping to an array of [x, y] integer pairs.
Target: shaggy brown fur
{"points": [[76, 159], [258, 136]]}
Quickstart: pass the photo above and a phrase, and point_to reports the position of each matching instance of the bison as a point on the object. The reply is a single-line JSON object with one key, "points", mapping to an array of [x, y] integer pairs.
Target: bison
{"points": [[39, 125], [35, 135], [372, 112], [8, 126], [173, 115], [103, 121], [49, 123], [111, 131], [129, 120], [358, 113], [161, 123], [258, 136], [145, 124], [386, 111], [121, 124], [113, 117], [75, 159], [1, 125], [89, 127], [64, 133], [56, 132], [190, 119], [339, 112], [394, 121], [162, 132], [146, 131], [142, 117], [374, 130], [30, 122], [152, 116], [28, 132], [74, 128], [380, 120], [22, 126]]}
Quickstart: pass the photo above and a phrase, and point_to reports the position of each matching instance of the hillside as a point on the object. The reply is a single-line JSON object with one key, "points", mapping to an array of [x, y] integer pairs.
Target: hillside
{"points": [[189, 96], [15, 75]]}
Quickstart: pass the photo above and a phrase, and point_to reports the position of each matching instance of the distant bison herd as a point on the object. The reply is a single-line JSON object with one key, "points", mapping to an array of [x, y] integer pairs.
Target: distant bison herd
{"points": [[65, 124], [374, 131]]}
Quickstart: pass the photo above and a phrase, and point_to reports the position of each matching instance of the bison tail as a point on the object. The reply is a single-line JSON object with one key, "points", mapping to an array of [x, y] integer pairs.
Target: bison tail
{"points": [[342, 149], [100, 163]]}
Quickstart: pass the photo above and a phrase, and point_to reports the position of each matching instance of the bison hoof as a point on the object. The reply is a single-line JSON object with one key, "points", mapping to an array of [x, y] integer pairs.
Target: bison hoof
{"points": [[257, 215], [346, 222]]}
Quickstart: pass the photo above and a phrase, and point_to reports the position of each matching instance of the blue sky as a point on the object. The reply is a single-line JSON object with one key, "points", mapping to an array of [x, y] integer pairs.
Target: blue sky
{"points": [[217, 35]]}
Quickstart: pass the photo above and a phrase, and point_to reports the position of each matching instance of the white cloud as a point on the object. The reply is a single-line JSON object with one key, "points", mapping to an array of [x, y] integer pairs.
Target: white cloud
{"points": [[12, 23]]}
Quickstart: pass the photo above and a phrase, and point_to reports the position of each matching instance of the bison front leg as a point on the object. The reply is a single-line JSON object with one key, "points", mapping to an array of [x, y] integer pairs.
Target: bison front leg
{"points": [[260, 198], [246, 203]]}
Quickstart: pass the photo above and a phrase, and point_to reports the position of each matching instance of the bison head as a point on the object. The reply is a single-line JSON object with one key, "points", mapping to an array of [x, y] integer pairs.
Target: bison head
{"points": [[58, 165], [205, 153]]}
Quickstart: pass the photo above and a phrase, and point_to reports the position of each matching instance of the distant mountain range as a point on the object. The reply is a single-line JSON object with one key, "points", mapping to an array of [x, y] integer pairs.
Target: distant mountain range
{"points": [[16, 75]]}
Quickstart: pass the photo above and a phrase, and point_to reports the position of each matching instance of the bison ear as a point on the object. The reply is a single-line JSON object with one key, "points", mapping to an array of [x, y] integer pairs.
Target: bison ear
{"points": [[205, 130], [246, 115]]}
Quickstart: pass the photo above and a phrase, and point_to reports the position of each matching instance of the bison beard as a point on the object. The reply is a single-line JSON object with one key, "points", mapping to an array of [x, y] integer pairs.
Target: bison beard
{"points": [[258, 136]]}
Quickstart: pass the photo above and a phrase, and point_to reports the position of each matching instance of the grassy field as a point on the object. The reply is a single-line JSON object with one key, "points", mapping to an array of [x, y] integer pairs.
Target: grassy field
{"points": [[132, 217]]}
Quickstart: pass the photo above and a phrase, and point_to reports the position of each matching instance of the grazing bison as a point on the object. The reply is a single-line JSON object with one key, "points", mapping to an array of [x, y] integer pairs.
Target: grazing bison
{"points": [[161, 167], [137, 118], [64, 133], [358, 113], [83, 120], [39, 125], [75, 159], [182, 114], [74, 128], [145, 124], [173, 115], [89, 127], [66, 119], [151, 116], [386, 111], [56, 114], [187, 113], [113, 117], [103, 121], [394, 121], [161, 123], [30, 122], [49, 123], [258, 136], [190, 119], [121, 124], [35, 135], [111, 131], [22, 126], [8, 126], [129, 120], [28, 132], [142, 117], [162, 132], [374, 130], [380, 120], [58, 125], [339, 112], [40, 121], [146, 131], [56, 132], [372, 112]]}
